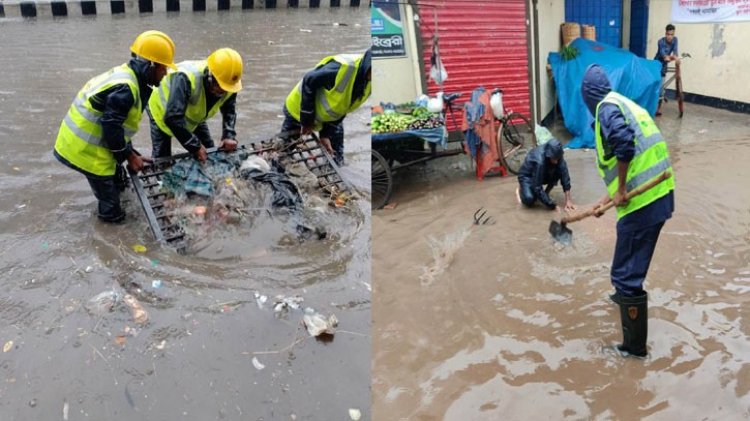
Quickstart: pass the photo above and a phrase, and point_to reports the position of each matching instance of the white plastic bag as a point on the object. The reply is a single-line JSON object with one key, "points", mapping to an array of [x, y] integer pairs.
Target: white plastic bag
{"points": [[442, 76], [496, 102], [437, 70], [543, 135]]}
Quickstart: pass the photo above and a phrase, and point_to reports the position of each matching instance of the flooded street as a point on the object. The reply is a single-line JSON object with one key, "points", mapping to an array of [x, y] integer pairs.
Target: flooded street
{"points": [[210, 349], [499, 322]]}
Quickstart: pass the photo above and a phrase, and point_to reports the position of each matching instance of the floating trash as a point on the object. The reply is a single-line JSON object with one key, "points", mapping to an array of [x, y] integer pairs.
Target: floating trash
{"points": [[103, 302], [139, 314], [317, 324], [283, 303], [260, 299], [257, 364]]}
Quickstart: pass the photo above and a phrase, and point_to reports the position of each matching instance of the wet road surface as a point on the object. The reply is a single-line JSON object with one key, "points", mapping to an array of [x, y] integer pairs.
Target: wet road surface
{"points": [[194, 358], [499, 322]]}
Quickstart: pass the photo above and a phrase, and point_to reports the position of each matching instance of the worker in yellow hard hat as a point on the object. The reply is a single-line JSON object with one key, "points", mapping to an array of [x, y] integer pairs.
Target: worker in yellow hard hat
{"points": [[95, 136], [188, 97]]}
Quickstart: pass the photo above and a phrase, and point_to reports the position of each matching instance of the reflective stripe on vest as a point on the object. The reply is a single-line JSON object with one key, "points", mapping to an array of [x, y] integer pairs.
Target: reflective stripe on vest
{"points": [[349, 67], [335, 103], [651, 155], [195, 113], [79, 139]]}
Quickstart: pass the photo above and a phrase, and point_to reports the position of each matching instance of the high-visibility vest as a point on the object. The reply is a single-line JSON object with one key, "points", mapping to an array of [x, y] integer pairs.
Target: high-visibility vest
{"points": [[79, 139], [650, 160], [196, 112], [335, 103]]}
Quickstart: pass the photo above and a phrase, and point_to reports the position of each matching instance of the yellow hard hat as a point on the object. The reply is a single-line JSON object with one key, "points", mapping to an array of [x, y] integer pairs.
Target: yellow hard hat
{"points": [[225, 64], [155, 46]]}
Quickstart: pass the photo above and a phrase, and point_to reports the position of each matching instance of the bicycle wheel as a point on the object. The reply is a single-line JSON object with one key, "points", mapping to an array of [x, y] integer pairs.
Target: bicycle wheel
{"points": [[382, 180], [515, 139]]}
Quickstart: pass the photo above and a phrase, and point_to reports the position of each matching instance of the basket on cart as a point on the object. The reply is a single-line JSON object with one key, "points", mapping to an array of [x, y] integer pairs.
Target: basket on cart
{"points": [[589, 32]]}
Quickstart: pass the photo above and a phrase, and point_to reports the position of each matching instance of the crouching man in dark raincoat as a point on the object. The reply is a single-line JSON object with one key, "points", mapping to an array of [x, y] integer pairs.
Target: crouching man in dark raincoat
{"points": [[630, 151], [544, 166]]}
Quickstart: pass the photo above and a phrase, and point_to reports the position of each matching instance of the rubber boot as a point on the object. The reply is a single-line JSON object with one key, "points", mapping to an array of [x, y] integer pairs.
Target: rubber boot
{"points": [[615, 297], [634, 319]]}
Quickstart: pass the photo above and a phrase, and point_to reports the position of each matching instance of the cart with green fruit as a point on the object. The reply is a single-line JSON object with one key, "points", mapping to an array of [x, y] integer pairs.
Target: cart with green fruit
{"points": [[399, 137]]}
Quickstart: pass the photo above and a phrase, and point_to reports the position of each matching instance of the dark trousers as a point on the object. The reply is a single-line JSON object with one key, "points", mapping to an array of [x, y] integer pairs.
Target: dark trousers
{"points": [[332, 131], [526, 190], [106, 189], [633, 253], [161, 143]]}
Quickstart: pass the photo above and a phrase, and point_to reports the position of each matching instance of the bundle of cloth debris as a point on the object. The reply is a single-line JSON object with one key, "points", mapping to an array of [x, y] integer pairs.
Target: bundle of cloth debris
{"points": [[224, 183]]}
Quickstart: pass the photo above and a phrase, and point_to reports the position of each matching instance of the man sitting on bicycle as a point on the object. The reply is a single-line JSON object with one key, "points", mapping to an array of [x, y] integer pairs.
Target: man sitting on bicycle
{"points": [[544, 165], [666, 51]]}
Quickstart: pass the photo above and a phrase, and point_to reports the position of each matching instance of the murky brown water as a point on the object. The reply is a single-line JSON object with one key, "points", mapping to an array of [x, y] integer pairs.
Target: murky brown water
{"points": [[193, 360], [515, 325]]}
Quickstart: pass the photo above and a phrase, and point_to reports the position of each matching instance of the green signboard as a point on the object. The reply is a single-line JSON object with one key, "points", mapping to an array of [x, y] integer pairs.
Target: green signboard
{"points": [[387, 30]]}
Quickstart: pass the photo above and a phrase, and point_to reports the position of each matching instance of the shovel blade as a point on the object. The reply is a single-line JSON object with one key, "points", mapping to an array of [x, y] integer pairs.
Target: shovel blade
{"points": [[560, 232]]}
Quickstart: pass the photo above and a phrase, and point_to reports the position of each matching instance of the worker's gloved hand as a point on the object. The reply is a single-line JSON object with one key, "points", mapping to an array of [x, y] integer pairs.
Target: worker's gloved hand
{"points": [[136, 162], [306, 130], [327, 144], [228, 145], [201, 155]]}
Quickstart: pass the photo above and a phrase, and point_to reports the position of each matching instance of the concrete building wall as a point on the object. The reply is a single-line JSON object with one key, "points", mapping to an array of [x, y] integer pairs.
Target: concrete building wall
{"points": [[626, 24], [719, 63], [398, 79]]}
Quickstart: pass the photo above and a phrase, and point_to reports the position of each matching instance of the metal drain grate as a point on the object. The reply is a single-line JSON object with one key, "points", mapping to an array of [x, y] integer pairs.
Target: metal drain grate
{"points": [[319, 162], [166, 227]]}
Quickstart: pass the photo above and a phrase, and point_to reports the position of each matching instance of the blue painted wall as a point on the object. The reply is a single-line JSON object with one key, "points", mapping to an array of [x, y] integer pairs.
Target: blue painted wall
{"points": [[606, 15], [638, 27]]}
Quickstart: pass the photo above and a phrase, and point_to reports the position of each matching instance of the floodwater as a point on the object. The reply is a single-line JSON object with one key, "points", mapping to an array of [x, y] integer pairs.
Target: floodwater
{"points": [[498, 322], [210, 350]]}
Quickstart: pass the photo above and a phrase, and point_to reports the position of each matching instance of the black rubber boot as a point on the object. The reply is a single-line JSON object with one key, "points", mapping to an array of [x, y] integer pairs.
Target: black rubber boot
{"points": [[615, 297], [634, 319]]}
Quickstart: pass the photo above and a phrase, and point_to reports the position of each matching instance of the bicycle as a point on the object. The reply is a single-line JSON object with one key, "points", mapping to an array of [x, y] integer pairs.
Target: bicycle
{"points": [[515, 134], [515, 138], [677, 78]]}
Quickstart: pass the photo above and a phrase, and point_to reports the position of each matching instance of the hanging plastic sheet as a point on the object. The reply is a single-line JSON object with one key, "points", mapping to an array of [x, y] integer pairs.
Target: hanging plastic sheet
{"points": [[636, 78], [437, 70]]}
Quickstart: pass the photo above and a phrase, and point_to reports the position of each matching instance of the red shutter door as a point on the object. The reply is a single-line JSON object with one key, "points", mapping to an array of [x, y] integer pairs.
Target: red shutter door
{"points": [[481, 44]]}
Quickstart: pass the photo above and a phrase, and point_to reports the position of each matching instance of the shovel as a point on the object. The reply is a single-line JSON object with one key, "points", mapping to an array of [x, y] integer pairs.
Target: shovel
{"points": [[561, 233]]}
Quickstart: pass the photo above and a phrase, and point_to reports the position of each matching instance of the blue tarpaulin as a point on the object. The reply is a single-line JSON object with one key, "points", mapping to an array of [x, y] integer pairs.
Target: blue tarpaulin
{"points": [[637, 78]]}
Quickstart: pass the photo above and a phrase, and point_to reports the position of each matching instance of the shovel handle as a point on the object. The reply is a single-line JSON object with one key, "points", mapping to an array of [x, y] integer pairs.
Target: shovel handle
{"points": [[631, 194]]}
